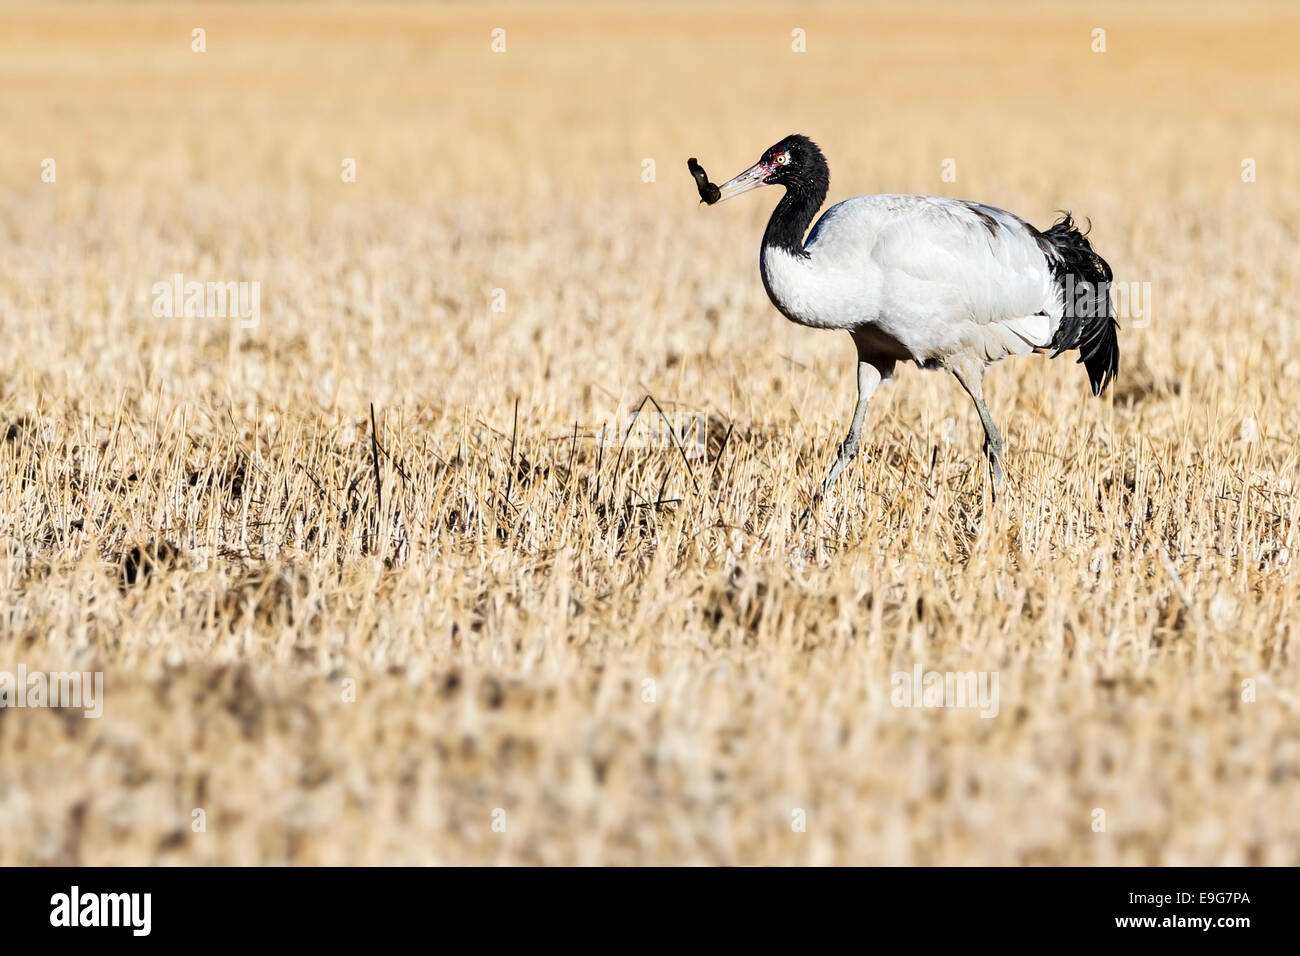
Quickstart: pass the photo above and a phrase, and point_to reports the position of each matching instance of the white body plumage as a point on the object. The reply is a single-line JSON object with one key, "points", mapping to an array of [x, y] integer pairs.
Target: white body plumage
{"points": [[920, 278]]}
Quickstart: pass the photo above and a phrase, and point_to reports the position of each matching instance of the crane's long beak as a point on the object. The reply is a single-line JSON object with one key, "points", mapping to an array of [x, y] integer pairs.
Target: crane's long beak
{"points": [[751, 178]]}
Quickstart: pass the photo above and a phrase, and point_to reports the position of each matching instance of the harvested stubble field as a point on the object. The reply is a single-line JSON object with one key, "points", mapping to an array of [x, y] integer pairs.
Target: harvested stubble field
{"points": [[343, 653]]}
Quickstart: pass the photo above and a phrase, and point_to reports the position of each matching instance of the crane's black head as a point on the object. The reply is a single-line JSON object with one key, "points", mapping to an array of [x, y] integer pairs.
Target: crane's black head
{"points": [[795, 163]]}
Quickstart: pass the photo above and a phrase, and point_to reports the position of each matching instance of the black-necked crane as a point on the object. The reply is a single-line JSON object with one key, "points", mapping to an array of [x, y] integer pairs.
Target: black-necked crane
{"points": [[944, 283]]}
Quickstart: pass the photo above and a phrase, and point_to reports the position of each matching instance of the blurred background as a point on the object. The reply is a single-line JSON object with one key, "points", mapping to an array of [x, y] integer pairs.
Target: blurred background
{"points": [[477, 219]]}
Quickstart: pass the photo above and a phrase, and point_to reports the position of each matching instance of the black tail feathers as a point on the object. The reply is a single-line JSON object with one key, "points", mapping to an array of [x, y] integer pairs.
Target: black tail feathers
{"points": [[1087, 323]]}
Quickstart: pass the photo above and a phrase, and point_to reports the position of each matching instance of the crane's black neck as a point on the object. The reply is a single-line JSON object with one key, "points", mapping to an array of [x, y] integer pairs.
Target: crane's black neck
{"points": [[794, 213]]}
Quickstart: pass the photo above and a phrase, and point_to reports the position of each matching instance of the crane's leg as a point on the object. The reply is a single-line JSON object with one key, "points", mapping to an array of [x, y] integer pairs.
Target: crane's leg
{"points": [[971, 377], [869, 379], [870, 374]]}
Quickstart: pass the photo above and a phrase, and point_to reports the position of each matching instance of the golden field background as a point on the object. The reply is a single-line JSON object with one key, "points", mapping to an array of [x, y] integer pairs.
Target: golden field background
{"points": [[190, 506]]}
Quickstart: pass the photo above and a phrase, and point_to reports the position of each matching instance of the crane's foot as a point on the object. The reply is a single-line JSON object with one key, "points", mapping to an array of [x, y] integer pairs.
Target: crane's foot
{"points": [[840, 462], [848, 451], [994, 456]]}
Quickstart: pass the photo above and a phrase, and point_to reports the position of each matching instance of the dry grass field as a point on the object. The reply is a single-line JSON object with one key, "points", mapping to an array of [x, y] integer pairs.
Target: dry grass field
{"points": [[475, 635]]}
